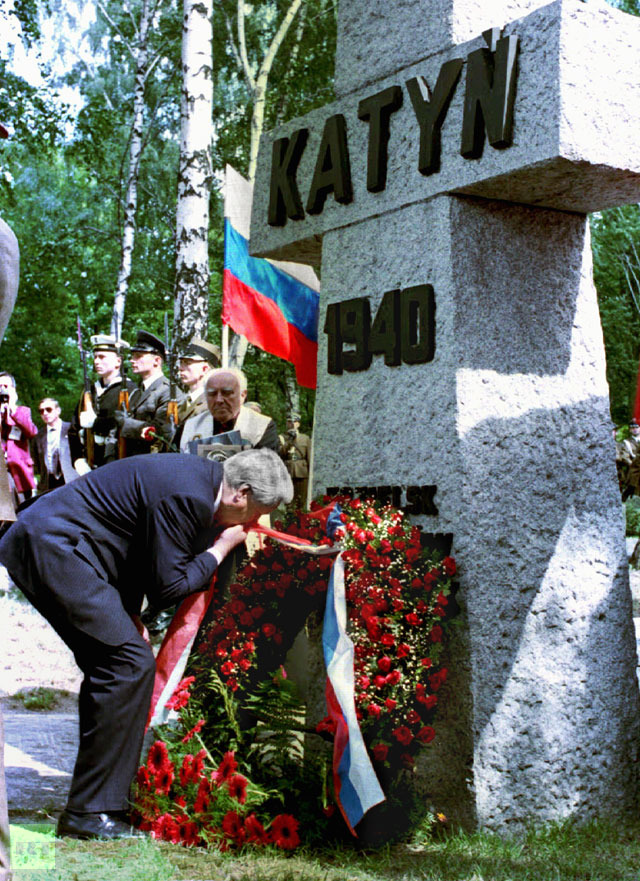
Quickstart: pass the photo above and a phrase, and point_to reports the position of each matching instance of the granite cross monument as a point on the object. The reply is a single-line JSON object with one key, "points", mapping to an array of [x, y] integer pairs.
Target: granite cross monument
{"points": [[461, 363]]}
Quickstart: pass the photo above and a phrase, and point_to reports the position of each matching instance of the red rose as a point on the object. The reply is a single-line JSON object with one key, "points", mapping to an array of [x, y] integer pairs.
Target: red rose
{"points": [[388, 639], [384, 663], [412, 717], [268, 629], [436, 633], [426, 734], [394, 677], [413, 619], [449, 566], [374, 710], [403, 650], [437, 679], [390, 704], [380, 751], [403, 735]]}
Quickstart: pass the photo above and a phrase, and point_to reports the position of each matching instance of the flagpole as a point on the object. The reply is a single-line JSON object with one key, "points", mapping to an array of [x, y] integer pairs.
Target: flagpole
{"points": [[225, 345]]}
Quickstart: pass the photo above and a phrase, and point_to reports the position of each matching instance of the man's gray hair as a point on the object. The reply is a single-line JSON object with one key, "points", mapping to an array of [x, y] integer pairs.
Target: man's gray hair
{"points": [[266, 474], [237, 374]]}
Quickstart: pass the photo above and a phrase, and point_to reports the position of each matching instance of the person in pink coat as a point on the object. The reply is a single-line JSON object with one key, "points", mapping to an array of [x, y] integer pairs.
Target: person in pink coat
{"points": [[16, 429]]}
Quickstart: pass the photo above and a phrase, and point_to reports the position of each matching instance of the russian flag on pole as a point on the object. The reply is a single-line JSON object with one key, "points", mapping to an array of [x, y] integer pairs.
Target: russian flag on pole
{"points": [[274, 304], [355, 783]]}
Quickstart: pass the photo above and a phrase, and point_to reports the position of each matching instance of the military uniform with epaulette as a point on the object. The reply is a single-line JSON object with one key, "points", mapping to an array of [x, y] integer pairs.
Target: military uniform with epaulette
{"points": [[295, 450], [99, 420], [146, 426]]}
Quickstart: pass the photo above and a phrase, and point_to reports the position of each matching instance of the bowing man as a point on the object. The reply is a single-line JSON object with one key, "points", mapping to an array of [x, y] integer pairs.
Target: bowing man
{"points": [[86, 555]]}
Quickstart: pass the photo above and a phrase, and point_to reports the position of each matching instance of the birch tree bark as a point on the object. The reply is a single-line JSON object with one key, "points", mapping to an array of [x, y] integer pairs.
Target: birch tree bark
{"points": [[257, 83], [195, 173], [140, 54]]}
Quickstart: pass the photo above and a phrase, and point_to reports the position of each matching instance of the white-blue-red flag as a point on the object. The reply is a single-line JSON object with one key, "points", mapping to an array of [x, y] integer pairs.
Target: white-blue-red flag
{"points": [[274, 304], [356, 786]]}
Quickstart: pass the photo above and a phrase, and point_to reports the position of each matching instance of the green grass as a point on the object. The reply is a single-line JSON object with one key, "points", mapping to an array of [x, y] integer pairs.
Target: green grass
{"points": [[559, 852], [40, 697]]}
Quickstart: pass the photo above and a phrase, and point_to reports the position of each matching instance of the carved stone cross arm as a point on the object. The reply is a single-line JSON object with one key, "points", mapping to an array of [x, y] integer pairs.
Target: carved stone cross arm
{"points": [[543, 111]]}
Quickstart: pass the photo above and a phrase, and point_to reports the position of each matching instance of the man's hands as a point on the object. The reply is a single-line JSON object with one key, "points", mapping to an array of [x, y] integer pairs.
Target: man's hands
{"points": [[228, 539]]}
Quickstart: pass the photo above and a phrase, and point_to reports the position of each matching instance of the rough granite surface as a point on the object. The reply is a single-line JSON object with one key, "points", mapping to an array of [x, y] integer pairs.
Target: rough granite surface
{"points": [[576, 119], [510, 420], [541, 716]]}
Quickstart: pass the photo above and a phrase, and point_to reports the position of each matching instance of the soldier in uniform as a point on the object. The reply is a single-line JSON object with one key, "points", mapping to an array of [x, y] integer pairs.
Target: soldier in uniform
{"points": [[106, 398], [295, 449], [196, 362], [146, 426]]}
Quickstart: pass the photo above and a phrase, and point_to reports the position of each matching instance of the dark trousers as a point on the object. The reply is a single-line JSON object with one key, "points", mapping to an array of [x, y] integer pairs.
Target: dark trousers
{"points": [[113, 707]]}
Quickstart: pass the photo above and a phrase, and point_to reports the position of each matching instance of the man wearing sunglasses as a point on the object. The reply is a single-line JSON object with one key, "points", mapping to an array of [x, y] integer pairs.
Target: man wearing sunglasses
{"points": [[50, 449]]}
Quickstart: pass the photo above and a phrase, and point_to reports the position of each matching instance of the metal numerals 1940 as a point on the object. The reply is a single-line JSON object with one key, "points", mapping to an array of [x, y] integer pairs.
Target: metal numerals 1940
{"points": [[403, 330]]}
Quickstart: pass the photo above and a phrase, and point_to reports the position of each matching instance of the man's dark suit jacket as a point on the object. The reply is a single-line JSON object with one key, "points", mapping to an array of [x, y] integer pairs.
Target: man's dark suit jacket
{"points": [[133, 527], [39, 456]]}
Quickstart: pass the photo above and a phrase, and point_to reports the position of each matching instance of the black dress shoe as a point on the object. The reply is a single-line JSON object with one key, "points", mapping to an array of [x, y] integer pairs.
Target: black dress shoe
{"points": [[108, 826]]}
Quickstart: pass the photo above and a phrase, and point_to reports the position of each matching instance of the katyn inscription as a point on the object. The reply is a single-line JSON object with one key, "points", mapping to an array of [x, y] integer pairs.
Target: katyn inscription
{"points": [[403, 330], [488, 107]]}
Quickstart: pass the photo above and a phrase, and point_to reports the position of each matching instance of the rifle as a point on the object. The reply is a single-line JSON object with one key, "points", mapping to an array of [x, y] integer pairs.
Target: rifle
{"points": [[172, 406], [86, 403], [123, 404]]}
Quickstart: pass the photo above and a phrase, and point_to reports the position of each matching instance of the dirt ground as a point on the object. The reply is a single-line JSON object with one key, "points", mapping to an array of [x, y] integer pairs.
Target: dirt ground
{"points": [[32, 654]]}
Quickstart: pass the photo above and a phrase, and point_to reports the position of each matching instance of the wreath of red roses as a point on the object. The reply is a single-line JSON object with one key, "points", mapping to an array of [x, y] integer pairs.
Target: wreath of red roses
{"points": [[400, 601]]}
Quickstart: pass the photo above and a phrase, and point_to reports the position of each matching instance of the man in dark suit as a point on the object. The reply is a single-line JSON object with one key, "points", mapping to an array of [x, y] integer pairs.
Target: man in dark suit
{"points": [[86, 555], [50, 449], [146, 427]]}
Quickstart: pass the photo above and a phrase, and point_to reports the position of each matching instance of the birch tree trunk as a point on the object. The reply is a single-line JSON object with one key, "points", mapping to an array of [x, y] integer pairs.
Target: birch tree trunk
{"points": [[141, 55], [257, 84], [195, 173]]}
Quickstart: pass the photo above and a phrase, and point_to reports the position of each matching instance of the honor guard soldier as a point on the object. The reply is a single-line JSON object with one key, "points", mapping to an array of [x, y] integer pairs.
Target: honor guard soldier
{"points": [[295, 449], [93, 434], [146, 426], [196, 362]]}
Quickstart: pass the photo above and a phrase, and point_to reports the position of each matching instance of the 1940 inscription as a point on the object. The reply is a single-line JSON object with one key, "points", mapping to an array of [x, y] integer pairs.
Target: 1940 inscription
{"points": [[403, 330]]}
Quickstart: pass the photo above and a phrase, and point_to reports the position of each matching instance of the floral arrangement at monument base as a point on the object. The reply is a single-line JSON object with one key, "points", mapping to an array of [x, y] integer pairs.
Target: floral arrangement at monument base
{"points": [[243, 762]]}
